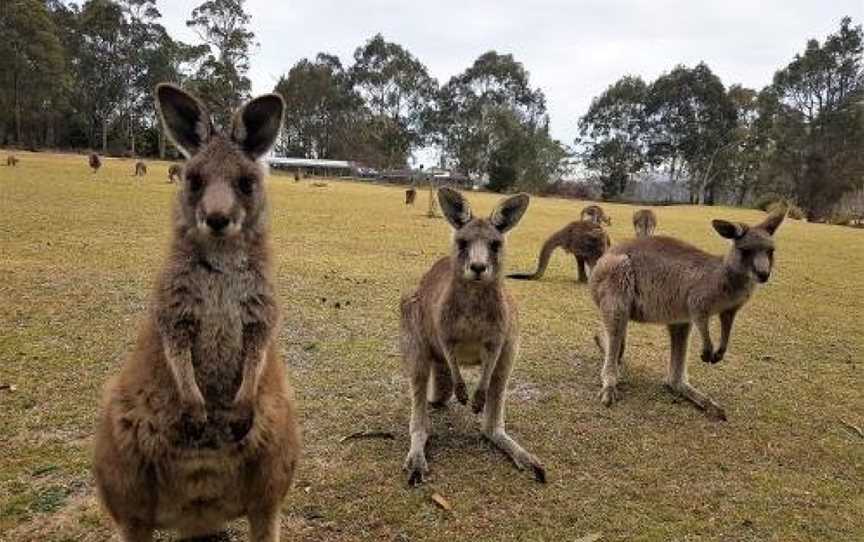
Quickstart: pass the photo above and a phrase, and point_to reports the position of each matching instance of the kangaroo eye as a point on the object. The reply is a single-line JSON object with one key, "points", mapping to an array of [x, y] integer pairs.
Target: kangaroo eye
{"points": [[195, 181], [246, 185], [495, 246], [462, 244]]}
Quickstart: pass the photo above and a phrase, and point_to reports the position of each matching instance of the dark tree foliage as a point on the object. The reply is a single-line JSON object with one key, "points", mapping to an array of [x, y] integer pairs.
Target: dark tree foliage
{"points": [[612, 140]]}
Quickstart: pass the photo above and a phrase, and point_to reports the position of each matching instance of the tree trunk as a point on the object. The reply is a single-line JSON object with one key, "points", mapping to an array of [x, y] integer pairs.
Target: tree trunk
{"points": [[17, 108], [105, 136]]}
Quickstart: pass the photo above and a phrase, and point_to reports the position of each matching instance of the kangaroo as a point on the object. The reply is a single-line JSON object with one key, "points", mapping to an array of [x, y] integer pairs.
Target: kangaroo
{"points": [[12, 161], [662, 280], [595, 214], [644, 222], [175, 173], [95, 162], [462, 314], [586, 241], [140, 169], [410, 196], [199, 427]]}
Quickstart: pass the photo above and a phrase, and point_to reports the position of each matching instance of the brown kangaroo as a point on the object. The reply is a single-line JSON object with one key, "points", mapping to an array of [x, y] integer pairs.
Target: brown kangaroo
{"points": [[661, 280], [12, 161], [644, 222], [410, 196], [140, 169], [175, 173], [462, 314], [586, 241], [595, 214], [200, 427], [95, 162]]}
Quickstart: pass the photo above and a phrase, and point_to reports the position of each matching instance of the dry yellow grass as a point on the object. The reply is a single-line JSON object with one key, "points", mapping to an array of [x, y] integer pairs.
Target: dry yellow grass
{"points": [[78, 253]]}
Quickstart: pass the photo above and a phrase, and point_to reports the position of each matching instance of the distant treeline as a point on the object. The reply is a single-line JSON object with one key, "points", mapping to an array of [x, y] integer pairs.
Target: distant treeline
{"points": [[81, 77]]}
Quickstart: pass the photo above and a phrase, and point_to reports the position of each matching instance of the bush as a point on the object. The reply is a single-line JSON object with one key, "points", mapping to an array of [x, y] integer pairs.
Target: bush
{"points": [[796, 213], [768, 199], [849, 211], [570, 189]]}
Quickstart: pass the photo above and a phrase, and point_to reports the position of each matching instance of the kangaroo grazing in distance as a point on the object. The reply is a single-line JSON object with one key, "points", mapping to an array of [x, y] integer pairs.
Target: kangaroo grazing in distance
{"points": [[662, 280], [12, 161], [410, 196], [175, 173], [95, 162], [595, 214], [644, 222], [199, 427], [462, 314], [140, 169], [586, 241]]}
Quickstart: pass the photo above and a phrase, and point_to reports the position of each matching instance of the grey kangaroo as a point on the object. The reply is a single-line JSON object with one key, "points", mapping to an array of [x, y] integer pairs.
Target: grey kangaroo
{"points": [[95, 162], [644, 222], [199, 427], [175, 172], [585, 240], [662, 280], [595, 214], [461, 314], [140, 169]]}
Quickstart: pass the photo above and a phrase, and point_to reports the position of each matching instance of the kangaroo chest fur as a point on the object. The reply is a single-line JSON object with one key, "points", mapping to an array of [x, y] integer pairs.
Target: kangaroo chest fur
{"points": [[471, 321], [227, 295]]}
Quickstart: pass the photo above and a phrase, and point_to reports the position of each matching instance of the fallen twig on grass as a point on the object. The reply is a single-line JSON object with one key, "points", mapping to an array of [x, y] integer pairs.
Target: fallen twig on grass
{"points": [[369, 434], [854, 428]]}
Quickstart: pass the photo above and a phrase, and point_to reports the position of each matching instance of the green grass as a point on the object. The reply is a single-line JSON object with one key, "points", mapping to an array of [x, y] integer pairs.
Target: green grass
{"points": [[78, 254]]}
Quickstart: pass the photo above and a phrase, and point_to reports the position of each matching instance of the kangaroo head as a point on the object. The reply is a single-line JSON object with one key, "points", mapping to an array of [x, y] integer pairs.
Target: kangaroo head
{"points": [[222, 194], [753, 246], [478, 243]]}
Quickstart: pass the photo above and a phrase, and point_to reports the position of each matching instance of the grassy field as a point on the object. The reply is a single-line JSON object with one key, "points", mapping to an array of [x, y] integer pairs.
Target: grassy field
{"points": [[79, 252]]}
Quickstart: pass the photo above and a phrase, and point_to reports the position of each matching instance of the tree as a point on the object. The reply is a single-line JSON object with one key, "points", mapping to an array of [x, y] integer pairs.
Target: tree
{"points": [[689, 118], [470, 105], [221, 80], [31, 68], [816, 124], [612, 134], [398, 92], [321, 109]]}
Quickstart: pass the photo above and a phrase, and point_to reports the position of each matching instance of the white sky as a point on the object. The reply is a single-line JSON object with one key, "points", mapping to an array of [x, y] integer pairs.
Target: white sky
{"points": [[572, 49]]}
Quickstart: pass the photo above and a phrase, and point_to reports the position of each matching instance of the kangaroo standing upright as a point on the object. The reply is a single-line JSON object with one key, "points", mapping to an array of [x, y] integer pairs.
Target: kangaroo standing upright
{"points": [[199, 427], [140, 169], [175, 173], [585, 240], [662, 280], [410, 195], [595, 214], [644, 222], [461, 314], [95, 162]]}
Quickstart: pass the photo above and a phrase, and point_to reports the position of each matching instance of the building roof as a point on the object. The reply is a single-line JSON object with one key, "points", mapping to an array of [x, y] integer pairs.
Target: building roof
{"points": [[307, 162]]}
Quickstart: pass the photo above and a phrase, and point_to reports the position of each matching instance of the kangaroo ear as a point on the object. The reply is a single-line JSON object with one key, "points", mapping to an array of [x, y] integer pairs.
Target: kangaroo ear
{"points": [[509, 212], [729, 230], [184, 118], [455, 208], [256, 125], [773, 222]]}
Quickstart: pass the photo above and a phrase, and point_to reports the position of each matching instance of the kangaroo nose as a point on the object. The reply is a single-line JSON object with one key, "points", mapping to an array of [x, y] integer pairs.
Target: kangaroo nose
{"points": [[217, 222], [478, 268], [762, 277]]}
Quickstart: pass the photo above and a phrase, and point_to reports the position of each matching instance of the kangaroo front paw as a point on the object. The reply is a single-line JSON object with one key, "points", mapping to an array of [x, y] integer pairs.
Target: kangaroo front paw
{"points": [[718, 355], [609, 395], [417, 468], [707, 355], [479, 400], [461, 392]]}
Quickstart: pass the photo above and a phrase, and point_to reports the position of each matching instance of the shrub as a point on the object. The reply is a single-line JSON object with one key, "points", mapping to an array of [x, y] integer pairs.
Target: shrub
{"points": [[849, 211], [767, 199]]}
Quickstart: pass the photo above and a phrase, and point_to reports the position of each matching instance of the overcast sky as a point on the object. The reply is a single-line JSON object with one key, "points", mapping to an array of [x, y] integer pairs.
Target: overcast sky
{"points": [[572, 49]]}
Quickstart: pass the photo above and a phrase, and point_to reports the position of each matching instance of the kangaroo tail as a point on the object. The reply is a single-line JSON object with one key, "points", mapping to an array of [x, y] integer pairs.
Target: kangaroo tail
{"points": [[545, 253]]}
